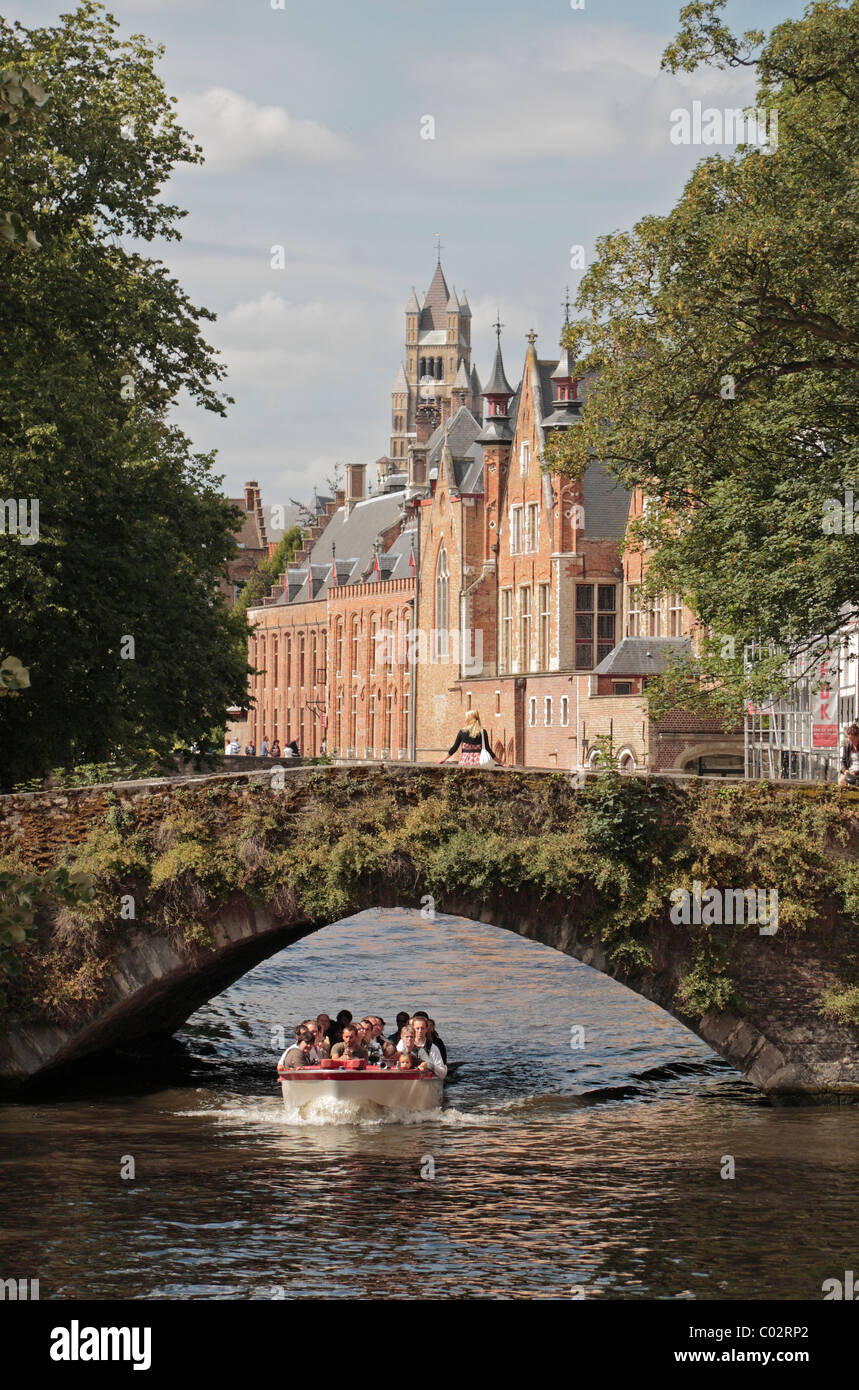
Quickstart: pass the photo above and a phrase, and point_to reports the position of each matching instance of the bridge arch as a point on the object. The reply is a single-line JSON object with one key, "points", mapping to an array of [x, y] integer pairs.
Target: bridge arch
{"points": [[155, 979]]}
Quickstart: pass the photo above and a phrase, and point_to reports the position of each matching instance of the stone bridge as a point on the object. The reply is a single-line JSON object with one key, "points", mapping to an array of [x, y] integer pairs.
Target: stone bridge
{"points": [[196, 880]]}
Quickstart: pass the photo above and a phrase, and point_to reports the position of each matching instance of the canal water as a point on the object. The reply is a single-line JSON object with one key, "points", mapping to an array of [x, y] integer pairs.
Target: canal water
{"points": [[560, 1171]]}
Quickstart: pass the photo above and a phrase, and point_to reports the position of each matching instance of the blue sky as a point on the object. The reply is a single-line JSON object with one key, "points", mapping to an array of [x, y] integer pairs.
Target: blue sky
{"points": [[551, 128]]}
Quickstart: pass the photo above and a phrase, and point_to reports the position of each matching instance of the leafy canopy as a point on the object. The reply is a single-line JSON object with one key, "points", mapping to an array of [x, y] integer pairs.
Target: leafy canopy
{"points": [[98, 341]]}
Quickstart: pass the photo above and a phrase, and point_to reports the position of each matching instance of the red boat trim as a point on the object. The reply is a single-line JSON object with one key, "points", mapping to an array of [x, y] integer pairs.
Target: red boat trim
{"points": [[317, 1074]]}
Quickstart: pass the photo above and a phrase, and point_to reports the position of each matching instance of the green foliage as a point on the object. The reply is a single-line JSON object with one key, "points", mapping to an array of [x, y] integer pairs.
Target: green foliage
{"points": [[724, 340], [330, 842], [22, 896], [842, 1005], [99, 341]]}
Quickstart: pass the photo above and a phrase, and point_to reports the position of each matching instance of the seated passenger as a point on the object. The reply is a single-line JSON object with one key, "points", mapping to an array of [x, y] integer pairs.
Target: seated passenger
{"points": [[386, 1049], [320, 1046], [406, 1061], [407, 1039], [402, 1020], [350, 1045], [335, 1033], [299, 1055], [429, 1057]]}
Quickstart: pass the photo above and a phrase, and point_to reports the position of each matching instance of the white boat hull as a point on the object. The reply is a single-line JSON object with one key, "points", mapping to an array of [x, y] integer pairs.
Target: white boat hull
{"points": [[366, 1091]]}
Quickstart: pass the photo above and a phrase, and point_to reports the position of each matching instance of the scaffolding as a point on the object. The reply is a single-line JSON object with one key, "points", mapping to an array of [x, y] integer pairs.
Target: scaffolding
{"points": [[797, 738]]}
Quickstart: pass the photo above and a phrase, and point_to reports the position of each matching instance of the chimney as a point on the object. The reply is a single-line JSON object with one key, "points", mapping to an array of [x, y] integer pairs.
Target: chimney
{"points": [[355, 484], [252, 497]]}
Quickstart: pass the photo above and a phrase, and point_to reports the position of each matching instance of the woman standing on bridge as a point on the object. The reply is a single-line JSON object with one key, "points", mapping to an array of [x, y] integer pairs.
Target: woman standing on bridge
{"points": [[472, 742]]}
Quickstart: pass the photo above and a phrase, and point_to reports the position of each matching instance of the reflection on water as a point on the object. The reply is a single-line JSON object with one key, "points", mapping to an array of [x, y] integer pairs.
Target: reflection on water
{"points": [[555, 1169]]}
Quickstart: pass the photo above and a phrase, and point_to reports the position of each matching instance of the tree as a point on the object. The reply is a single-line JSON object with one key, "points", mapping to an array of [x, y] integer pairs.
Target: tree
{"points": [[725, 339], [110, 599]]}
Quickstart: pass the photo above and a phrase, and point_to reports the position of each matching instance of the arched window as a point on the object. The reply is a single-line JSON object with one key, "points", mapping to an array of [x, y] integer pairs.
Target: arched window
{"points": [[442, 606], [423, 366]]}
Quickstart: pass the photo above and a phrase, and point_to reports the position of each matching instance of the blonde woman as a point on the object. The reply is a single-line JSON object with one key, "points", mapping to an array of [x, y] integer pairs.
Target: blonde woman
{"points": [[471, 740]]}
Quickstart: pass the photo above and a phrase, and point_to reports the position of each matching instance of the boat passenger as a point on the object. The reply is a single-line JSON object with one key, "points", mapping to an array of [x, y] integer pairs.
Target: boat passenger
{"points": [[432, 1034], [406, 1061], [402, 1020], [379, 1048], [350, 1045], [335, 1033], [320, 1046], [299, 1055], [429, 1057], [324, 1023]]}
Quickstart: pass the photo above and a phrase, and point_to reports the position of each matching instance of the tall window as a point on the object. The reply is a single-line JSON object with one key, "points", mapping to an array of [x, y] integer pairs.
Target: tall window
{"points": [[633, 622], [675, 615], [389, 722], [655, 619], [313, 658], [524, 457], [301, 642], [442, 606], [338, 646], [532, 712], [404, 716], [525, 628], [355, 646], [390, 639], [338, 723], [543, 632], [371, 724], [547, 711], [506, 627], [353, 721], [531, 522], [565, 710], [595, 627], [374, 642], [515, 530], [274, 660]]}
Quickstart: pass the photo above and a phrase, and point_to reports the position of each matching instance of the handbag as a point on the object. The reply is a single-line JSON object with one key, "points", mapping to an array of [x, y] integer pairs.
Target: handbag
{"points": [[485, 756]]}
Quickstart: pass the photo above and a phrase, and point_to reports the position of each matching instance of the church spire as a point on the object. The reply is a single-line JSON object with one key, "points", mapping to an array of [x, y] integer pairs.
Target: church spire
{"points": [[497, 394]]}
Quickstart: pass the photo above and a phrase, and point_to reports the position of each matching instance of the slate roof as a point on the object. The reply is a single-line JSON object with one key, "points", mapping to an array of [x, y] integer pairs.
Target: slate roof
{"points": [[642, 656], [606, 504], [462, 432], [353, 537]]}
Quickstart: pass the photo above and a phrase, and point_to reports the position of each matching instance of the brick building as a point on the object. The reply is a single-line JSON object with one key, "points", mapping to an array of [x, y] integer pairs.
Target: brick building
{"points": [[473, 577]]}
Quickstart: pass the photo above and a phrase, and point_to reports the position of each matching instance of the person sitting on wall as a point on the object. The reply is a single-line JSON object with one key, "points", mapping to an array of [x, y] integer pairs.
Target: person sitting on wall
{"points": [[850, 757], [299, 1055], [350, 1046], [291, 751], [472, 742], [274, 751], [264, 749]]}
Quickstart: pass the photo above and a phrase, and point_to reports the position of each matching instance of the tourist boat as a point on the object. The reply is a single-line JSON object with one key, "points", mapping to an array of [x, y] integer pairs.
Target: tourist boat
{"points": [[364, 1088]]}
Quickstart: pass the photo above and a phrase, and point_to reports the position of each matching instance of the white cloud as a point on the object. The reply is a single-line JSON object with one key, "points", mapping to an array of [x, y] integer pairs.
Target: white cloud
{"points": [[234, 131]]}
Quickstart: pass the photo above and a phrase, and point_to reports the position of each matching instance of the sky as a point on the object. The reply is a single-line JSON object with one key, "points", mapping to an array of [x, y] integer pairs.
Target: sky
{"points": [[551, 128]]}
